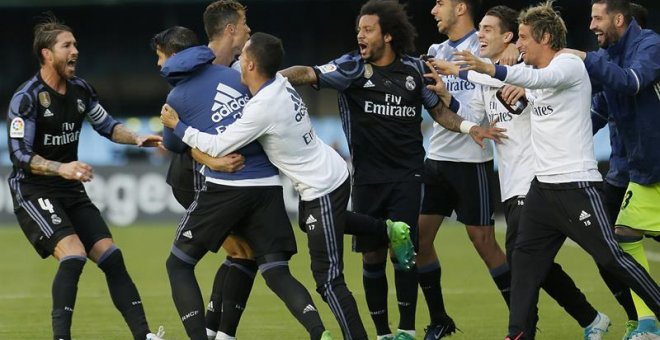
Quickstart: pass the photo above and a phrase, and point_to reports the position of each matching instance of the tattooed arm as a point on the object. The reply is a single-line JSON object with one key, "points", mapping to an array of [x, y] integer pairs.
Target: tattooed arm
{"points": [[300, 75], [122, 135], [75, 170]]}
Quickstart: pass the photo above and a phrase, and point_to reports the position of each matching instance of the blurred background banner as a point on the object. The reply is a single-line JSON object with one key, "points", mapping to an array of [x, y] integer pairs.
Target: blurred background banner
{"points": [[115, 57]]}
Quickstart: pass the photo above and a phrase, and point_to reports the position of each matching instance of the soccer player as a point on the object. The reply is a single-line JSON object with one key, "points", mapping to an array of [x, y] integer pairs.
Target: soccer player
{"points": [[460, 175], [277, 118], [235, 277], [565, 199], [497, 30], [627, 69], [381, 92], [247, 202], [45, 118]]}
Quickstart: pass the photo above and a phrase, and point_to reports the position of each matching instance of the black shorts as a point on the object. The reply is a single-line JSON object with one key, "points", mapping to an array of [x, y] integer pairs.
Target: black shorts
{"points": [[46, 219], [398, 201], [184, 197], [465, 188], [254, 213]]}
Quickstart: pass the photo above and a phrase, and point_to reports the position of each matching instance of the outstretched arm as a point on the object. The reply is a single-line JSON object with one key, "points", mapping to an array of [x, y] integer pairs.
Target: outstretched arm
{"points": [[451, 121], [122, 135], [300, 75]]}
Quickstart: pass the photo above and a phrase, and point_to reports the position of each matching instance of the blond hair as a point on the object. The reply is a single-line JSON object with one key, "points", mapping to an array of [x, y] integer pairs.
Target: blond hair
{"points": [[543, 19]]}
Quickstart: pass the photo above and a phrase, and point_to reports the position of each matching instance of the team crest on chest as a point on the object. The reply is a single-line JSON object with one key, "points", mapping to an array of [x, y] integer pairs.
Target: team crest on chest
{"points": [[44, 99], [368, 71], [81, 106], [410, 83]]}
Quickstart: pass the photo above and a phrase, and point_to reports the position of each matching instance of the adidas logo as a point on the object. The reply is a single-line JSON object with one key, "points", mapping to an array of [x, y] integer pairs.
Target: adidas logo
{"points": [[48, 113], [210, 307], [310, 219], [309, 308], [188, 234], [368, 84], [227, 101], [584, 215]]}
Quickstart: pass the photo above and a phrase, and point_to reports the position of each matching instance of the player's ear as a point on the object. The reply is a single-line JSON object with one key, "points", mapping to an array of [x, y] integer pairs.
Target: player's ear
{"points": [[508, 36], [387, 37], [46, 54]]}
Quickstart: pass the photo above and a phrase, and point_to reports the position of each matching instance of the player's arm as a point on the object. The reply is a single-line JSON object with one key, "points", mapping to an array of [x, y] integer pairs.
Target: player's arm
{"points": [[444, 116], [76, 170], [231, 163], [237, 135], [122, 135], [643, 72], [300, 75], [561, 72]]}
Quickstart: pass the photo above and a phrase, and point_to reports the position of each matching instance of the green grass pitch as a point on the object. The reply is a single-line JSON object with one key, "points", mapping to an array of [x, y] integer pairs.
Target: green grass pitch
{"points": [[470, 295]]}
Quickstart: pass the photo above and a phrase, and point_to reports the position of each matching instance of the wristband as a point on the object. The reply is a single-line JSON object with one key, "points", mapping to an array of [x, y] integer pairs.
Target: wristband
{"points": [[466, 125]]}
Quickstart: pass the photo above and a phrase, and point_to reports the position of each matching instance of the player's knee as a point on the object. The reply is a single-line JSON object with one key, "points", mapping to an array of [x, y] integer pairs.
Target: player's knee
{"points": [[180, 261]]}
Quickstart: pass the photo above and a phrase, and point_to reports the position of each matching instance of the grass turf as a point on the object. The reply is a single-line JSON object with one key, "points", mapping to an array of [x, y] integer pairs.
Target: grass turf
{"points": [[470, 295]]}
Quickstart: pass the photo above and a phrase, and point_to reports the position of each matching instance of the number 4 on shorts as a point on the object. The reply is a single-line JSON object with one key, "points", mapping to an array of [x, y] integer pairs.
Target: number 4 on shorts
{"points": [[45, 205]]}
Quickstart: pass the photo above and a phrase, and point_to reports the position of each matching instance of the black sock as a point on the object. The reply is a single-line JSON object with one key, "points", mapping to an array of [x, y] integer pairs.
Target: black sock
{"points": [[360, 224], [214, 308], [561, 287], [124, 294], [375, 290], [620, 291], [235, 293], [429, 281], [502, 277], [294, 295], [187, 295], [64, 289], [405, 282]]}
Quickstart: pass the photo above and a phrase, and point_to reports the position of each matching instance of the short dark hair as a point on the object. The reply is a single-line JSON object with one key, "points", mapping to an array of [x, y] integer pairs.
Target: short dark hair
{"points": [[472, 6], [174, 39], [394, 21], [640, 13], [616, 6], [267, 51], [220, 14], [46, 32], [508, 19]]}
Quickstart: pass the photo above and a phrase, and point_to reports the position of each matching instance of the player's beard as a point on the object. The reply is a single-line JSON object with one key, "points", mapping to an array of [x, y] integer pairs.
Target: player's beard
{"points": [[61, 66], [376, 51], [609, 37]]}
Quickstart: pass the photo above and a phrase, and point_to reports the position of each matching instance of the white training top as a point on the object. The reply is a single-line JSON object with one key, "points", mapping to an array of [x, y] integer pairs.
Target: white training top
{"points": [[560, 95], [277, 117], [515, 161], [445, 145]]}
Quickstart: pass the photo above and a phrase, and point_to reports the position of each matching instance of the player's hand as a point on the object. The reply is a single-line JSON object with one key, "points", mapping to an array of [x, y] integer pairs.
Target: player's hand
{"points": [[148, 141], [479, 133], [76, 170], [511, 94], [439, 86], [443, 67], [510, 55], [580, 54], [469, 61], [229, 163], [168, 116]]}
